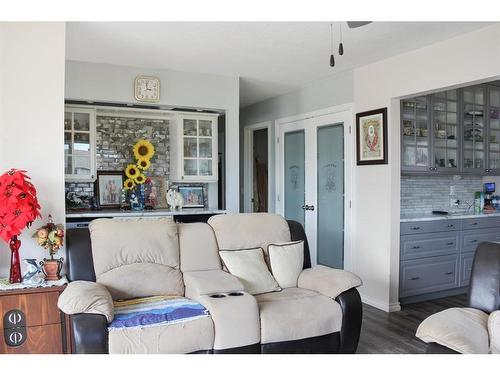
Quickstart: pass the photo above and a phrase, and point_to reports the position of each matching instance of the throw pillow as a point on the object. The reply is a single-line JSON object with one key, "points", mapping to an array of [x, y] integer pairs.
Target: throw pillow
{"points": [[249, 266], [286, 261]]}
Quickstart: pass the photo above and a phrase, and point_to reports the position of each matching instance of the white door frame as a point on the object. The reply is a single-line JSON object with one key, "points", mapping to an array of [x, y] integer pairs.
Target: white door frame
{"points": [[248, 163], [342, 113]]}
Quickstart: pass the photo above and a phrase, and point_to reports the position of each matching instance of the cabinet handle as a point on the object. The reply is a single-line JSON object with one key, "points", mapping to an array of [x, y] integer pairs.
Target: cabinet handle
{"points": [[416, 247], [474, 223], [450, 226], [473, 241], [450, 243], [415, 228], [448, 273], [414, 278]]}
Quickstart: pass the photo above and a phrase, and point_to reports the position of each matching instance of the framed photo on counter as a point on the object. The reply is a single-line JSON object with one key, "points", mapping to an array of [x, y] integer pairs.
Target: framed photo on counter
{"points": [[371, 137], [108, 188], [193, 196]]}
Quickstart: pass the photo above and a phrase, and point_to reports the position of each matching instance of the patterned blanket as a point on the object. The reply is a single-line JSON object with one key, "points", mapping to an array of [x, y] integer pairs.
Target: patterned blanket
{"points": [[154, 311]]}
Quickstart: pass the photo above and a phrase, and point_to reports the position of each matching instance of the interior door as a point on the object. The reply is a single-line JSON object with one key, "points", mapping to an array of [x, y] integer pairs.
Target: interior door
{"points": [[312, 183]]}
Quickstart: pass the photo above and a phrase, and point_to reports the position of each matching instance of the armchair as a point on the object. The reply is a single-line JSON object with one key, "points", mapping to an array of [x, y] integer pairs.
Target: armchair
{"points": [[474, 329]]}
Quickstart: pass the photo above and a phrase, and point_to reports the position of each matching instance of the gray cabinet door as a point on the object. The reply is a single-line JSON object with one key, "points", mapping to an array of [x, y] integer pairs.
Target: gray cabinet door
{"points": [[428, 275], [472, 238]]}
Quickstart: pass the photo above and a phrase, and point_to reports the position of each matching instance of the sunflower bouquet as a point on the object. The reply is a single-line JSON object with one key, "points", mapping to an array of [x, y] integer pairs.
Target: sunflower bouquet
{"points": [[143, 152]]}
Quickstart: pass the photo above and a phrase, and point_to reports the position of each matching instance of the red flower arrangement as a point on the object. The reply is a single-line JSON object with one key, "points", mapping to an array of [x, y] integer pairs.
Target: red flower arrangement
{"points": [[18, 203], [18, 209]]}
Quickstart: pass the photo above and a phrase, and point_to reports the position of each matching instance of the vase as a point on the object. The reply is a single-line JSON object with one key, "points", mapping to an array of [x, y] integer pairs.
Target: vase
{"points": [[51, 268], [138, 198], [15, 263]]}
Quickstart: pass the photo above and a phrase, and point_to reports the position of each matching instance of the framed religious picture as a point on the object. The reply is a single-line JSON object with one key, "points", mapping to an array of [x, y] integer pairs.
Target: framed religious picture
{"points": [[108, 187], [193, 196], [371, 137]]}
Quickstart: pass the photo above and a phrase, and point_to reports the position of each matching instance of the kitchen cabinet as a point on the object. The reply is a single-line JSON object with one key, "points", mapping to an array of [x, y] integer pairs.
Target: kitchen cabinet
{"points": [[79, 144], [195, 144], [452, 132], [436, 255]]}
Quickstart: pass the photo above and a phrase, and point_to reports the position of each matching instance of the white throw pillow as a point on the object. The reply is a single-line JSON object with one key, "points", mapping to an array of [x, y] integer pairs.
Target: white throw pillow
{"points": [[494, 331], [249, 266], [286, 261]]}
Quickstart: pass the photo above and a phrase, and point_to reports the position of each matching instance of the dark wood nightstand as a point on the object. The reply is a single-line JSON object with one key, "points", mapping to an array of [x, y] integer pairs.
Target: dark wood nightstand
{"points": [[32, 323]]}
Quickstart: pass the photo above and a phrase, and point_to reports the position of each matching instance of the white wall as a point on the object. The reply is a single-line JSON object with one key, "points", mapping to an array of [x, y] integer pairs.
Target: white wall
{"points": [[465, 59], [114, 83], [31, 116], [329, 92]]}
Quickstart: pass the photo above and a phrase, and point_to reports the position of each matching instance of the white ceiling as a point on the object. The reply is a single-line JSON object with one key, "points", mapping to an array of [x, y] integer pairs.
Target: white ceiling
{"points": [[272, 58]]}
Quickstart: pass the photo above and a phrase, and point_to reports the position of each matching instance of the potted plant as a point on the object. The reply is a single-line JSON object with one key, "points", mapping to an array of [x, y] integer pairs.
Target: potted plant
{"points": [[18, 209], [50, 237]]}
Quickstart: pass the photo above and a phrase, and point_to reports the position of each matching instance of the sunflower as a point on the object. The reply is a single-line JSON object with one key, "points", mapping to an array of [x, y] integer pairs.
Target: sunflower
{"points": [[132, 171], [140, 179], [143, 163], [128, 184], [143, 149]]}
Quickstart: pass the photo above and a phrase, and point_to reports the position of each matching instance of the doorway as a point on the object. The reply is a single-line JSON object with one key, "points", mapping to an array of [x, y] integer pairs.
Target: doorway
{"points": [[257, 162], [313, 163]]}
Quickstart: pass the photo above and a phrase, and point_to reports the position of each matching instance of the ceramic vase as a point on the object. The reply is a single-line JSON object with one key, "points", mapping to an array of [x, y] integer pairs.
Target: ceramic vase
{"points": [[15, 263], [51, 268]]}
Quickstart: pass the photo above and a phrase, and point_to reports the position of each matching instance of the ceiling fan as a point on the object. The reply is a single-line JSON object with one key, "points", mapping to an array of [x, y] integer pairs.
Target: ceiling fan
{"points": [[351, 25]]}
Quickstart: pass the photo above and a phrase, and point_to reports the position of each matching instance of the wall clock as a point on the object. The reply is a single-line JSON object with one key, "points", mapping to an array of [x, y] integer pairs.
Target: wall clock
{"points": [[147, 89]]}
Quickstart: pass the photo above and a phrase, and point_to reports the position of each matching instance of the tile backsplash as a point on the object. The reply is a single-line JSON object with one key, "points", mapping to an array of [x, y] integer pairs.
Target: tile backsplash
{"points": [[422, 194]]}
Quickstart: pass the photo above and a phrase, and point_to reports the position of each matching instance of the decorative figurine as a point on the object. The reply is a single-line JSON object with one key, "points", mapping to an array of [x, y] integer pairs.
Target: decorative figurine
{"points": [[50, 237], [174, 199]]}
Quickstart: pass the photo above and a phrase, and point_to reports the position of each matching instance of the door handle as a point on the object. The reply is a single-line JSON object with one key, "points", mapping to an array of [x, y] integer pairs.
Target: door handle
{"points": [[307, 207]]}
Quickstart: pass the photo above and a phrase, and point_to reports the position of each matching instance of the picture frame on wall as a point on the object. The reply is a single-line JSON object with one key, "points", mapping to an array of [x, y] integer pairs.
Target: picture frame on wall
{"points": [[371, 137], [193, 196], [108, 186]]}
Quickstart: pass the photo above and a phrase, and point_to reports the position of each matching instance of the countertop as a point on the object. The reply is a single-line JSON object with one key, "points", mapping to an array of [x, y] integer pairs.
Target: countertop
{"points": [[145, 213], [430, 216]]}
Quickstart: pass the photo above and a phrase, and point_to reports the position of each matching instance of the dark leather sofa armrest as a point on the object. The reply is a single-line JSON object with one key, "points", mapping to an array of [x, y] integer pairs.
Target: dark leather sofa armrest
{"points": [[434, 348], [352, 316], [89, 334]]}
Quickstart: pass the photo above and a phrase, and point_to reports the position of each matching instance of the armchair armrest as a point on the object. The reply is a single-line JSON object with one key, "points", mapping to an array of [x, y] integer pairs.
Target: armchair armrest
{"points": [[494, 331], [328, 281], [86, 297], [464, 330], [198, 283]]}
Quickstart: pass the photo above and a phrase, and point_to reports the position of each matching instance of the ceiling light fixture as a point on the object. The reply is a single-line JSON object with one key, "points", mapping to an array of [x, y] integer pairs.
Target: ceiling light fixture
{"points": [[332, 59]]}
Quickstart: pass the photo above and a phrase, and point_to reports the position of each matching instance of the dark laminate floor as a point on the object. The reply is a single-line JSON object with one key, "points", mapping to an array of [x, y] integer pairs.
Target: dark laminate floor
{"points": [[394, 333]]}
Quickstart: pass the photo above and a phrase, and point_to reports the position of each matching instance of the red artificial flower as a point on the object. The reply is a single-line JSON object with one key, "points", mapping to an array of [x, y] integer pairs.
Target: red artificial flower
{"points": [[19, 205]]}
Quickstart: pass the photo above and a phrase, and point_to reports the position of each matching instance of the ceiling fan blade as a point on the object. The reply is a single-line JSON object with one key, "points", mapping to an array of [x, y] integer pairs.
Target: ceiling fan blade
{"points": [[355, 24]]}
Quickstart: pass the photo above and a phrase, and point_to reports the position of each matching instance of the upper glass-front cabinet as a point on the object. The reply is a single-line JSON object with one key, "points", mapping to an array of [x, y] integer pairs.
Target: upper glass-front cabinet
{"points": [[445, 134], [79, 144], [197, 148], [494, 130], [415, 134], [474, 130]]}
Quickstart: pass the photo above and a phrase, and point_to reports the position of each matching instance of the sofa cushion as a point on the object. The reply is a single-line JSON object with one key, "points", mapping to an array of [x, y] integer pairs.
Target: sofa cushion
{"points": [[250, 268], [295, 314], [136, 257], [286, 261], [200, 283], [199, 251], [328, 281], [494, 331], [161, 324], [245, 231], [463, 330]]}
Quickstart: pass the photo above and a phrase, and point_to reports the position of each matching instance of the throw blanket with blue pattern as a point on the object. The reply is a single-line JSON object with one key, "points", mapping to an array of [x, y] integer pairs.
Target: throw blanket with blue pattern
{"points": [[154, 311]]}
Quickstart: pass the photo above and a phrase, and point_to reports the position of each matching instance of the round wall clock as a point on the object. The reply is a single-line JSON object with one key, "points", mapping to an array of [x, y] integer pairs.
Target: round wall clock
{"points": [[147, 89]]}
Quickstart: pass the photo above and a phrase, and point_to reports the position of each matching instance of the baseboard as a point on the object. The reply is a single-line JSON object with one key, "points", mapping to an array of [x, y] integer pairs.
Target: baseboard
{"points": [[387, 307]]}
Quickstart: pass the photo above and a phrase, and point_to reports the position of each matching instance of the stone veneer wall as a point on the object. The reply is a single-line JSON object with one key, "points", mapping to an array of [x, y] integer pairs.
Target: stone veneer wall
{"points": [[422, 194], [115, 138]]}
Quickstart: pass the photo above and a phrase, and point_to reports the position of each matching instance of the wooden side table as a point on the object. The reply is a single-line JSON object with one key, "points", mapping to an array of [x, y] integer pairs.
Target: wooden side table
{"points": [[30, 322]]}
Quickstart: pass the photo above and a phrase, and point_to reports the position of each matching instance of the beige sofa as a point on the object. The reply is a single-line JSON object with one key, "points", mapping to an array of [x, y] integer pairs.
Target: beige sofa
{"points": [[138, 258]]}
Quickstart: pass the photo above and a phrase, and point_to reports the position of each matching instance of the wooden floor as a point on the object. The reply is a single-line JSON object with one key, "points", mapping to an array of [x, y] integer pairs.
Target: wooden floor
{"points": [[394, 333]]}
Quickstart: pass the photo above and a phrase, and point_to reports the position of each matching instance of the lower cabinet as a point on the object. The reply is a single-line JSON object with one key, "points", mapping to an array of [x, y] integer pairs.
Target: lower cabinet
{"points": [[438, 260]]}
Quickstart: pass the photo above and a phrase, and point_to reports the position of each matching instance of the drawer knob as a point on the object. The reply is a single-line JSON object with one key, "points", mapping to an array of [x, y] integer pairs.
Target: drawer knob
{"points": [[473, 241], [416, 247], [414, 278], [473, 223], [416, 228], [450, 243], [448, 273], [450, 225]]}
